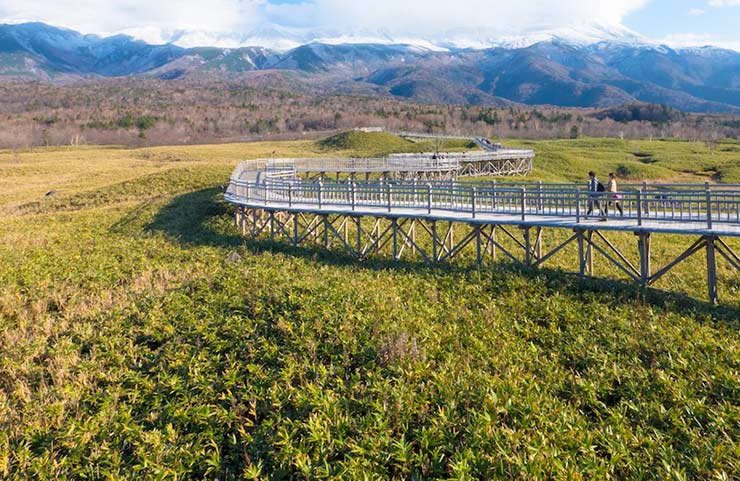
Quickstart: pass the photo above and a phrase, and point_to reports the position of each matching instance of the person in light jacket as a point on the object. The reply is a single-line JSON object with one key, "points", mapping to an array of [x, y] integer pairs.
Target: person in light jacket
{"points": [[614, 196]]}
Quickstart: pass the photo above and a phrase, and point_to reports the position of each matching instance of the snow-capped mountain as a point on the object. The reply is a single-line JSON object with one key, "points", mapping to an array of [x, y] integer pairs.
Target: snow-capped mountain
{"points": [[281, 38], [581, 67]]}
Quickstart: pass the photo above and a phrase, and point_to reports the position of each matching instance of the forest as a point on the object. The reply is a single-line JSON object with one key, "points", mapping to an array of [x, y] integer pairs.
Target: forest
{"points": [[147, 112]]}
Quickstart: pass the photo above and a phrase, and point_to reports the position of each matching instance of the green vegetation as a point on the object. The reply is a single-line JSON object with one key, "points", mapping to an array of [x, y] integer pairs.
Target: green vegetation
{"points": [[654, 113], [571, 159], [130, 349], [128, 121], [366, 142], [675, 161], [384, 143]]}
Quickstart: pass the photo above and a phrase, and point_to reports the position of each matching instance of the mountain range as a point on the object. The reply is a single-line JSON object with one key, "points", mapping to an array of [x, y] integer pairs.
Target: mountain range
{"points": [[588, 71]]}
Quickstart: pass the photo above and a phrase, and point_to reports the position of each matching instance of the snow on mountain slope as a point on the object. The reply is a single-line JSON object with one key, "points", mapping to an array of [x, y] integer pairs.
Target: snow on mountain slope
{"points": [[282, 38]]}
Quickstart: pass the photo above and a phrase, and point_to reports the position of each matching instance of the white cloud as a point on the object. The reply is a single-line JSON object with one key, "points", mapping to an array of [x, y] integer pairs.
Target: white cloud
{"points": [[684, 40], [145, 17], [696, 12], [724, 3], [426, 16], [160, 20]]}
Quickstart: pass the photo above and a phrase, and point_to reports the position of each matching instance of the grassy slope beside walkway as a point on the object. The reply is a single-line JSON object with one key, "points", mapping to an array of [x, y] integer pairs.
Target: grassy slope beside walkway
{"points": [[130, 349]]}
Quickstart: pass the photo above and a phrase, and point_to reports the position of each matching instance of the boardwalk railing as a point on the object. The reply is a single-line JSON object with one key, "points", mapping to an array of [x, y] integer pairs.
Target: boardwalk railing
{"points": [[500, 154], [389, 213], [448, 165], [707, 205], [418, 163]]}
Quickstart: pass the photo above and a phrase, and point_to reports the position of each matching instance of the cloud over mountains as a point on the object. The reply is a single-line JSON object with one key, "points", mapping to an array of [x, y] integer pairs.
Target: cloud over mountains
{"points": [[234, 20]]}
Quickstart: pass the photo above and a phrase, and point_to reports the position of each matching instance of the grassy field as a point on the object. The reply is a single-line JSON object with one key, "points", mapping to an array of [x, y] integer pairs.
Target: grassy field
{"points": [[130, 348], [637, 160]]}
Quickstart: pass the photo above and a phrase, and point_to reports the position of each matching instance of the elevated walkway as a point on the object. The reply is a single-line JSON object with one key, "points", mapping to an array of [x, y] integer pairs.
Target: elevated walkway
{"points": [[368, 216]]}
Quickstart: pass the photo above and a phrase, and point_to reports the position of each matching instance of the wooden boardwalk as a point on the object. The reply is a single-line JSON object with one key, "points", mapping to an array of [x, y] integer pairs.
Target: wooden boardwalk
{"points": [[366, 217], [447, 166]]}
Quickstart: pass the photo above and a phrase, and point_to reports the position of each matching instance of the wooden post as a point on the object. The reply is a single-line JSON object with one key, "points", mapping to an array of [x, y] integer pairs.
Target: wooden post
{"points": [[581, 256], [648, 257], [540, 204], [429, 198], [524, 203], [358, 220], [527, 246], [494, 250], [712, 270], [412, 230], [321, 184], [326, 231], [578, 206], [345, 223], [388, 188], [643, 246], [434, 241], [708, 193], [296, 238], [254, 222], [590, 253], [475, 191], [353, 195], [493, 194], [646, 207], [479, 258], [290, 195]]}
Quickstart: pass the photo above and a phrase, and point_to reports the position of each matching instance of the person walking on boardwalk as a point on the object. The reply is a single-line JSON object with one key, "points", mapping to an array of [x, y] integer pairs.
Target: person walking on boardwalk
{"points": [[595, 188], [614, 196]]}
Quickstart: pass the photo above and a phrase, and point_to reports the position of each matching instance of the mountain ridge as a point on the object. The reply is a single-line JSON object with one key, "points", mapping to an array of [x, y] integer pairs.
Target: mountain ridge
{"points": [[553, 72]]}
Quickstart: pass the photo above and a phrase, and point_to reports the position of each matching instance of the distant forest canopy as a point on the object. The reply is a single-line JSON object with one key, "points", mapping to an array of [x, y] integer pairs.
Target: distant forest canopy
{"points": [[141, 112]]}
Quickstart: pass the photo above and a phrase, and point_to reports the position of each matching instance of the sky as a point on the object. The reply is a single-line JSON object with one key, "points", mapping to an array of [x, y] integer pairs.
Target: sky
{"points": [[675, 22]]}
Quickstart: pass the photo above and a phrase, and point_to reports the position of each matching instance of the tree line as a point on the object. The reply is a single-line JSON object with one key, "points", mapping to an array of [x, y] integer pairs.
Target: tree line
{"points": [[139, 112]]}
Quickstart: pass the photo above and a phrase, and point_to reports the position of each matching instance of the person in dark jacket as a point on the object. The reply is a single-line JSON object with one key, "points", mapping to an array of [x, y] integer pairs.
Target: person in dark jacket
{"points": [[593, 195]]}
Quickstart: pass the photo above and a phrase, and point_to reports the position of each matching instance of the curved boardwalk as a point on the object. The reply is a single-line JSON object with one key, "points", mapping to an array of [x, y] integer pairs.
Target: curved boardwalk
{"points": [[395, 211]]}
